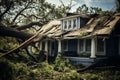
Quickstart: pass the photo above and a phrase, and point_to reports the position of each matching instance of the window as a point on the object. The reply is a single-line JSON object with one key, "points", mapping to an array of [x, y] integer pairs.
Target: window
{"points": [[69, 24], [81, 43], [88, 45], [65, 24], [65, 45], [74, 23], [100, 45]]}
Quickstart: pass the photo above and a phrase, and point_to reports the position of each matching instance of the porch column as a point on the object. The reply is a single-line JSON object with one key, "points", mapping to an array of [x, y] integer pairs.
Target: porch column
{"points": [[93, 48], [40, 46], [46, 46], [59, 46]]}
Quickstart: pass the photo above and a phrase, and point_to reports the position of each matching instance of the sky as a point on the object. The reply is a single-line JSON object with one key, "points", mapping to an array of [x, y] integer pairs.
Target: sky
{"points": [[104, 4]]}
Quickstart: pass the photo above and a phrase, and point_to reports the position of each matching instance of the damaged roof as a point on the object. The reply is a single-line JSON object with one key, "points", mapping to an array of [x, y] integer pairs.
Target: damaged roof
{"points": [[96, 26], [102, 25]]}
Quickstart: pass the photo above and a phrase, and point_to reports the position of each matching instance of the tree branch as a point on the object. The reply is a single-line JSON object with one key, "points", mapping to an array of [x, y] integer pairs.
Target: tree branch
{"points": [[22, 45], [29, 25], [20, 12], [6, 31], [31, 55], [7, 9]]}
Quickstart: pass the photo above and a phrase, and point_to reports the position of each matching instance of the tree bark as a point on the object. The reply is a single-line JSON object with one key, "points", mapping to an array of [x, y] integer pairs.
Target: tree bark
{"points": [[29, 25], [23, 45], [6, 31], [31, 55]]}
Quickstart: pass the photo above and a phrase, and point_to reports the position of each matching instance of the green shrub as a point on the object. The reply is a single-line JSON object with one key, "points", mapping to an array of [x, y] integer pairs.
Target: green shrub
{"points": [[41, 56], [62, 65], [45, 69], [22, 69], [72, 75]]}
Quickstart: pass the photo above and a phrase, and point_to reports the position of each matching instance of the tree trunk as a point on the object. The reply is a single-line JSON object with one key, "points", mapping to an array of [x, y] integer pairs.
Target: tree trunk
{"points": [[6, 31]]}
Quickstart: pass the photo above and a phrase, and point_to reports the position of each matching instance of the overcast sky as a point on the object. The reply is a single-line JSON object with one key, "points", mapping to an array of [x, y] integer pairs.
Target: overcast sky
{"points": [[104, 4]]}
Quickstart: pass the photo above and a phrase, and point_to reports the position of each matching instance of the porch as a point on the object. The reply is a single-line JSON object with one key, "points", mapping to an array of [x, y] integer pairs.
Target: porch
{"points": [[83, 60]]}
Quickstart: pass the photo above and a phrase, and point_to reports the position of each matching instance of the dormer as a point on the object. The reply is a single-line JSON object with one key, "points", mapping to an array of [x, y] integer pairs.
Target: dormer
{"points": [[73, 21]]}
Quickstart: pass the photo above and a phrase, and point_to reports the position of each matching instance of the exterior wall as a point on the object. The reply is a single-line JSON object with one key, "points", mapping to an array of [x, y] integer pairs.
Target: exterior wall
{"points": [[100, 47], [112, 46], [83, 21]]}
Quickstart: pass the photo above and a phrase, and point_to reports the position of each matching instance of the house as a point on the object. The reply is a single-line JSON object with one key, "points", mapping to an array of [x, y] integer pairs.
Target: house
{"points": [[83, 38]]}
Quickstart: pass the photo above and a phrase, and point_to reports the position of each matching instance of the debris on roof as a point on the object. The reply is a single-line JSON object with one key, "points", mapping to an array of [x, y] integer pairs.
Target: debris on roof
{"points": [[102, 25]]}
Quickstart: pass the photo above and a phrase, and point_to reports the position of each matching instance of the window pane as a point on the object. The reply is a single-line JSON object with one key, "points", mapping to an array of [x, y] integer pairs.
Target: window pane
{"points": [[65, 24], [81, 45], [65, 45], [69, 23], [100, 45], [74, 23], [88, 45]]}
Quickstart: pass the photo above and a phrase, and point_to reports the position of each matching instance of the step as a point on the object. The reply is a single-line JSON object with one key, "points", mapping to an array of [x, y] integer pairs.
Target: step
{"points": [[80, 60]]}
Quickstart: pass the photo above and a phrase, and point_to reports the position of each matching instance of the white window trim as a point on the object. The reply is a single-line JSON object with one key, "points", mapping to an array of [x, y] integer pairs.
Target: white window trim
{"points": [[84, 47], [74, 28], [72, 21], [64, 25]]}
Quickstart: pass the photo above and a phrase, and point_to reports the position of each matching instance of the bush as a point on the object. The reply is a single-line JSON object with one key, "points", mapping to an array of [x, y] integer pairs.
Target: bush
{"points": [[62, 65], [72, 75], [22, 69], [46, 69], [41, 56]]}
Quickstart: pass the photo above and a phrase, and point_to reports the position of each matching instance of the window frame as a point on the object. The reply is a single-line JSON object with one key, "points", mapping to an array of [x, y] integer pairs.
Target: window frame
{"points": [[104, 47], [65, 25], [75, 19], [63, 45], [86, 46], [81, 45], [69, 24]]}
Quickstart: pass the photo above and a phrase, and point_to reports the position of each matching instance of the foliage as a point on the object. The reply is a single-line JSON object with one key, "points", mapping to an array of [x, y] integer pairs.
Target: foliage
{"points": [[41, 56], [46, 69], [72, 75], [62, 65], [117, 5], [8, 43], [84, 9]]}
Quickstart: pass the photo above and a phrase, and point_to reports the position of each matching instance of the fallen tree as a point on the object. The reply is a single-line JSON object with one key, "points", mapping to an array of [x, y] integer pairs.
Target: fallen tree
{"points": [[24, 44]]}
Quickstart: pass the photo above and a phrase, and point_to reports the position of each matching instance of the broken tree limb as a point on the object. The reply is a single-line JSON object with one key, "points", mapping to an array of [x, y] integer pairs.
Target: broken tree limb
{"points": [[7, 31], [35, 59], [7, 9], [29, 25], [28, 41]]}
